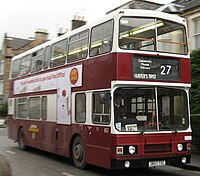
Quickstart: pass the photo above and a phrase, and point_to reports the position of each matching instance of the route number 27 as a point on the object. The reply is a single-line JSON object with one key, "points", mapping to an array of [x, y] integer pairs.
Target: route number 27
{"points": [[165, 69]]}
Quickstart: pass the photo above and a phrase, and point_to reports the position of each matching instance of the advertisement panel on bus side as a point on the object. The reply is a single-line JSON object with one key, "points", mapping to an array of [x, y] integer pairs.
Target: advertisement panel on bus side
{"points": [[61, 80]]}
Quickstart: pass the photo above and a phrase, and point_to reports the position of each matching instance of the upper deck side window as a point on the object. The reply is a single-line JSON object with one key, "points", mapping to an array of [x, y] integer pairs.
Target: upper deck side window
{"points": [[78, 46], [149, 34], [101, 38], [25, 65], [47, 56], [73, 49], [15, 68], [29, 63], [59, 51], [37, 60]]}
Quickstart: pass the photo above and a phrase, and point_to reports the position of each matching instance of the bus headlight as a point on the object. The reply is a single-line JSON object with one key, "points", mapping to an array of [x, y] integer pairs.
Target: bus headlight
{"points": [[180, 147], [132, 149]]}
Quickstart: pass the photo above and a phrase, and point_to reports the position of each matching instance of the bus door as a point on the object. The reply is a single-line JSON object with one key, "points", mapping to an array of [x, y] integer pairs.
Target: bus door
{"points": [[99, 139]]}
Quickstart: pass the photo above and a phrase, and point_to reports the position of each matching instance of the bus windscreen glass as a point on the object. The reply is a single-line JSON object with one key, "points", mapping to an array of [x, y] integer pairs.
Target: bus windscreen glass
{"points": [[149, 34], [150, 109]]}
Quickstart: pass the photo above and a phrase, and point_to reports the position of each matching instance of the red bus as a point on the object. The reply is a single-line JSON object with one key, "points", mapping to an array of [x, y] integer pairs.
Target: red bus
{"points": [[114, 94]]}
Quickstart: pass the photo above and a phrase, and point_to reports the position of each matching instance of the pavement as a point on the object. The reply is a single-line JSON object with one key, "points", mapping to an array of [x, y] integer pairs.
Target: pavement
{"points": [[5, 169]]}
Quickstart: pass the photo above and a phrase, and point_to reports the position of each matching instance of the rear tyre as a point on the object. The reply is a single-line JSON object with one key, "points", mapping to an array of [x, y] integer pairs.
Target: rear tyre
{"points": [[78, 153], [21, 138]]}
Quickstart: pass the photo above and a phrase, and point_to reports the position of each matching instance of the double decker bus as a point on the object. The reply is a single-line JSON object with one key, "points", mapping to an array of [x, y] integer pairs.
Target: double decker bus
{"points": [[114, 94]]}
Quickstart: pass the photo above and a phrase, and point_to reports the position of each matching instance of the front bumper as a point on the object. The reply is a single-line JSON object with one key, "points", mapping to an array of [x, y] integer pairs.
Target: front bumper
{"points": [[144, 163]]}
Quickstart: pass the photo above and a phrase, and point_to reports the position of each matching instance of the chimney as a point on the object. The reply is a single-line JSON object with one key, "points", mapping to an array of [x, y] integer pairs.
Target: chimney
{"points": [[41, 35], [77, 22], [62, 31]]}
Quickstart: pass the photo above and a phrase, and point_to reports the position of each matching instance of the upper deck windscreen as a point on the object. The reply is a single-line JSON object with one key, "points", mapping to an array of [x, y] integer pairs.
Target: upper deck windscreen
{"points": [[150, 34]]}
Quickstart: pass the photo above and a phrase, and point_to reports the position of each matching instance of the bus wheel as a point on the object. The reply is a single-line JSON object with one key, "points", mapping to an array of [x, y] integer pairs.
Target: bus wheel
{"points": [[21, 138], [78, 153]]}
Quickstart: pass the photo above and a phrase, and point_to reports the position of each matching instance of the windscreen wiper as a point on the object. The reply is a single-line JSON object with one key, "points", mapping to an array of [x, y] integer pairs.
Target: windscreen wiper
{"points": [[172, 127], [144, 129]]}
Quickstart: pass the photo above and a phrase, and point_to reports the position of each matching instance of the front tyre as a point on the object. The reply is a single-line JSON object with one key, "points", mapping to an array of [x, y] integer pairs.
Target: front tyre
{"points": [[78, 153]]}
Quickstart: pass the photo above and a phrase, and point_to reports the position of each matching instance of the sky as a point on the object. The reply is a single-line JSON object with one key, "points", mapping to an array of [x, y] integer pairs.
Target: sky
{"points": [[21, 18]]}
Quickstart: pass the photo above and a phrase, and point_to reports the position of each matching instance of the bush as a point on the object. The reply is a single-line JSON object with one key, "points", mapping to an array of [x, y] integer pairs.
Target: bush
{"points": [[3, 109]]}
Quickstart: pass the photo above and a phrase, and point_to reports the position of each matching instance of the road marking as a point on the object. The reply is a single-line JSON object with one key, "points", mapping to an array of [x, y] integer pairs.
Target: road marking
{"points": [[65, 173], [11, 152]]}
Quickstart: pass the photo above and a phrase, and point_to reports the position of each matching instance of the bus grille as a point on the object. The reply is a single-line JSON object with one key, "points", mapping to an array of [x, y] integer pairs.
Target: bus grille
{"points": [[157, 148]]}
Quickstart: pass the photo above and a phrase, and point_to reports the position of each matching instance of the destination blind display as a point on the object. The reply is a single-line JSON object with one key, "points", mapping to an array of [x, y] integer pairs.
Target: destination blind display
{"points": [[152, 68]]}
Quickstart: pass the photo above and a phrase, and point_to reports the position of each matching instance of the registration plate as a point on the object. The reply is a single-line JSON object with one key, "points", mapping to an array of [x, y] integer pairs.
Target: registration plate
{"points": [[157, 163]]}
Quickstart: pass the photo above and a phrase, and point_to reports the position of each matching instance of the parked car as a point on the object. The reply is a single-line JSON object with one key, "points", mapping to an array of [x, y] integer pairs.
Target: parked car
{"points": [[3, 123]]}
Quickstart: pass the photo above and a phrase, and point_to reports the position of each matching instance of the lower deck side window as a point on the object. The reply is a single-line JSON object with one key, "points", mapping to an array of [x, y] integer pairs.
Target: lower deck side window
{"points": [[80, 115], [34, 108], [101, 107], [31, 107], [22, 108]]}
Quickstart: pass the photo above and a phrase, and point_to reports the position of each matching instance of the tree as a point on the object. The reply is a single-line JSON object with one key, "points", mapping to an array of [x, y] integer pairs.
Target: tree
{"points": [[195, 89]]}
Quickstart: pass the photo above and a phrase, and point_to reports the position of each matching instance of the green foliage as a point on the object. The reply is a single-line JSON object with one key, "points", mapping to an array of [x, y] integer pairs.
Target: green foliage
{"points": [[195, 89], [3, 109]]}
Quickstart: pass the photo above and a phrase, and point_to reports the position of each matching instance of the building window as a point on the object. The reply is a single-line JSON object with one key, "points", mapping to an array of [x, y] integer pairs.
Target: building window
{"points": [[1, 67], [196, 34], [80, 100], [1, 87], [101, 107]]}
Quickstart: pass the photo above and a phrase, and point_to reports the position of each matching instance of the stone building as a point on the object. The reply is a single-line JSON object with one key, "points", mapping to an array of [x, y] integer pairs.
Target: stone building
{"points": [[191, 12], [11, 47]]}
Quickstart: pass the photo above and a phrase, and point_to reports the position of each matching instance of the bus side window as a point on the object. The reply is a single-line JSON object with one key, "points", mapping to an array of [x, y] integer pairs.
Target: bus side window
{"points": [[44, 108], [15, 68], [25, 65], [37, 60], [58, 53], [15, 108], [101, 108], [80, 101], [34, 108], [47, 56], [101, 38], [78, 46], [22, 107]]}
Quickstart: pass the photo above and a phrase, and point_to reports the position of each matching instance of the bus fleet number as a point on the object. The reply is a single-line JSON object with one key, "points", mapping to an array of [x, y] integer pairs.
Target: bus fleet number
{"points": [[165, 69]]}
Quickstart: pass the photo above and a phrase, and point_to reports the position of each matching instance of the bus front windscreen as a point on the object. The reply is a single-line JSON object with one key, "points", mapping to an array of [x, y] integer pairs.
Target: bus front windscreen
{"points": [[149, 34], [146, 109]]}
